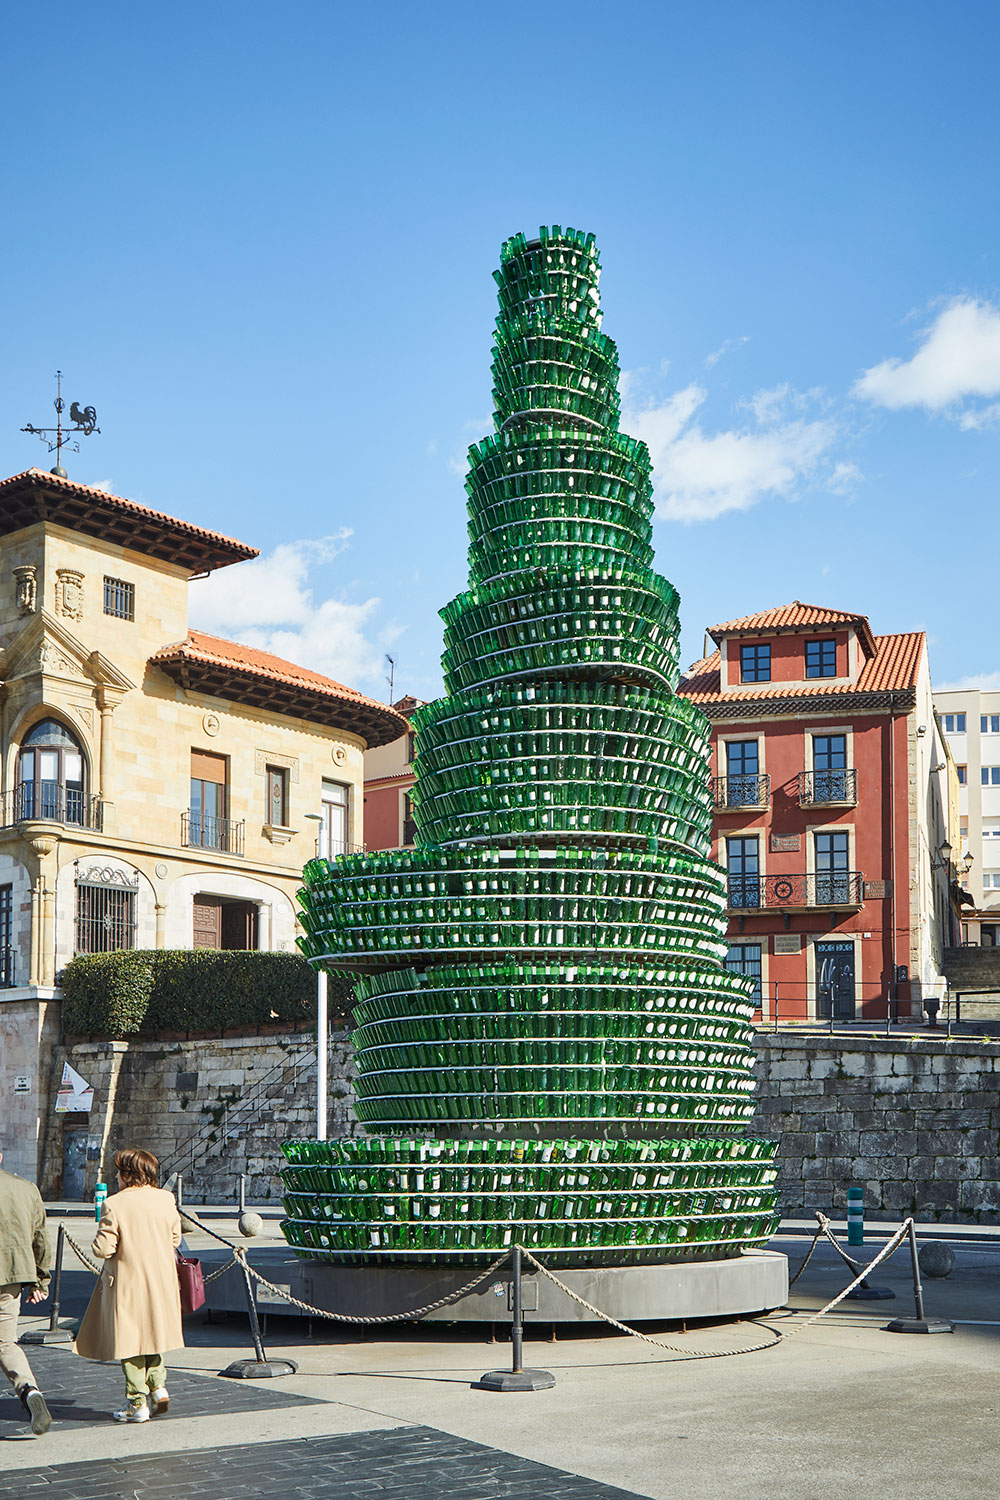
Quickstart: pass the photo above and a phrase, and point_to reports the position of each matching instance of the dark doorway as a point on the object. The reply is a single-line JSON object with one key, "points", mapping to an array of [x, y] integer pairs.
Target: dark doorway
{"points": [[74, 1163], [835, 980], [222, 923]]}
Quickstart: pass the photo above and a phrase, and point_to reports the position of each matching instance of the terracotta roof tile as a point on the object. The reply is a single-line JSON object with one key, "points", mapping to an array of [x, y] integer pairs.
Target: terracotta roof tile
{"points": [[793, 617], [893, 668], [222, 667], [35, 495]]}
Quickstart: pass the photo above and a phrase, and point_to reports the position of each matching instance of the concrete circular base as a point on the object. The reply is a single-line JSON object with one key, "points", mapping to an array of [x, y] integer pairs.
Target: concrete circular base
{"points": [[754, 1282]]}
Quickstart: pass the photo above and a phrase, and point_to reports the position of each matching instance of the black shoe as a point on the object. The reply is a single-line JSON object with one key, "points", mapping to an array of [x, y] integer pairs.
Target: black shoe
{"points": [[38, 1413]]}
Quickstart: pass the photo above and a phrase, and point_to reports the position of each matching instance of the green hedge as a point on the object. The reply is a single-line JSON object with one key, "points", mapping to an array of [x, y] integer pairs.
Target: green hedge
{"points": [[115, 995]]}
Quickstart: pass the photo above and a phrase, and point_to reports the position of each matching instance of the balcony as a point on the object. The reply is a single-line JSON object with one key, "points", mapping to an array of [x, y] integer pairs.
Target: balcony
{"points": [[739, 793], [202, 831], [828, 788], [50, 802], [750, 893]]}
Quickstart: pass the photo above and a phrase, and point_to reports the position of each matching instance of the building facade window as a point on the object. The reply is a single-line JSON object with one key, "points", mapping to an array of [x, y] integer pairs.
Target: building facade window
{"points": [[7, 978], [954, 723], [277, 796], [742, 787], [745, 958], [821, 658], [50, 782], [743, 867], [990, 775], [105, 912], [833, 857], [830, 779], [409, 825], [335, 827], [119, 598], [962, 773], [411, 746], [991, 880], [755, 663], [989, 724], [208, 824]]}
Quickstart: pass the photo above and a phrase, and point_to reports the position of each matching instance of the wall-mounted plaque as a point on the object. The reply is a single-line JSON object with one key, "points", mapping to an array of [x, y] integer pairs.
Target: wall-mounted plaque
{"points": [[786, 843]]}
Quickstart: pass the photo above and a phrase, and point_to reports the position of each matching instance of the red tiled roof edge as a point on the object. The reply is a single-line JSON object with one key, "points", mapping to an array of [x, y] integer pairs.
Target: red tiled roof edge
{"points": [[39, 477], [793, 617], [893, 669]]}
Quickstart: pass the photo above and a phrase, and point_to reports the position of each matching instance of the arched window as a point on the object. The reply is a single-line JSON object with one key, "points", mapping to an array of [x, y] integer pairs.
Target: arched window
{"points": [[50, 774]]}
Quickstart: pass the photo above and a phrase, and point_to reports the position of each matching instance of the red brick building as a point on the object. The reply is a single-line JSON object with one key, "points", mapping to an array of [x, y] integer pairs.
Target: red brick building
{"points": [[831, 811]]}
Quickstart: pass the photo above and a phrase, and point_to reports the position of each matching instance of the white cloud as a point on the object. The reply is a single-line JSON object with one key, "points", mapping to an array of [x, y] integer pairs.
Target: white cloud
{"points": [[724, 349], [985, 682], [269, 603], [958, 359], [843, 479], [700, 475]]}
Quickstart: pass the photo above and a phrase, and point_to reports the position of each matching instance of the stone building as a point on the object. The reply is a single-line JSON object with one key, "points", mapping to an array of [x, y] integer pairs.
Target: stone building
{"points": [[161, 787]]}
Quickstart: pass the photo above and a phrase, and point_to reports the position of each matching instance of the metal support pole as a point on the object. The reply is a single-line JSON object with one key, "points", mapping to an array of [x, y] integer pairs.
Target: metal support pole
{"points": [[260, 1368], [179, 1193], [322, 1054], [919, 1323], [775, 1005], [517, 1378], [53, 1334]]}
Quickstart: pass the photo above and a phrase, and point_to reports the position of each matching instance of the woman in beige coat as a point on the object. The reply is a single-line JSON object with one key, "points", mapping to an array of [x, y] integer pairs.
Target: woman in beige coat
{"points": [[135, 1311]]}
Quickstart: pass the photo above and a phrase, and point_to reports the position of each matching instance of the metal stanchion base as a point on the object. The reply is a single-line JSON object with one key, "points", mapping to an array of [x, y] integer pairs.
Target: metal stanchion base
{"points": [[920, 1325], [48, 1336], [870, 1294], [507, 1380], [255, 1369]]}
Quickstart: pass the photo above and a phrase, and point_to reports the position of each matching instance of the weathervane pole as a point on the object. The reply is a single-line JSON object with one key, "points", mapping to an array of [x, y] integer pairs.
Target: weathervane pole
{"points": [[84, 418]]}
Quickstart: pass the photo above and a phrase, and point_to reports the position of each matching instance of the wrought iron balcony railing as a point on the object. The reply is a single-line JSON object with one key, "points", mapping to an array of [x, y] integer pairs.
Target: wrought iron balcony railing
{"points": [[817, 788], [7, 980], [825, 888], [733, 792], [50, 802], [202, 831]]}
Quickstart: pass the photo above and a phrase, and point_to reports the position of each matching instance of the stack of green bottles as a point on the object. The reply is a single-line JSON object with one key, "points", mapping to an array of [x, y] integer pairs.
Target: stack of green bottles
{"points": [[592, 1202], [548, 1048]]}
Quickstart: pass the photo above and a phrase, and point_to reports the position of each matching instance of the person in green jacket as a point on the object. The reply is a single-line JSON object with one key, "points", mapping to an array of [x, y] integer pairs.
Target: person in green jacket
{"points": [[25, 1255]]}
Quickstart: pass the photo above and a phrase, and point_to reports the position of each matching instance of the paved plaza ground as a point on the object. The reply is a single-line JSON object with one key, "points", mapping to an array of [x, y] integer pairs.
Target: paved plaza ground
{"points": [[844, 1408]]}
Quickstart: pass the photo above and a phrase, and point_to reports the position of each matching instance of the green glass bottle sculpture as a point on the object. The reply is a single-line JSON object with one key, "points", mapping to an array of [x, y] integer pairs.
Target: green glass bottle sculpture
{"points": [[549, 1051]]}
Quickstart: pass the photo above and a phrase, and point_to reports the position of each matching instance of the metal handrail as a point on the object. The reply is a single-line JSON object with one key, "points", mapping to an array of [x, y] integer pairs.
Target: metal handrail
{"points": [[822, 888], [741, 791], [203, 831], [817, 788], [51, 802], [208, 1135]]}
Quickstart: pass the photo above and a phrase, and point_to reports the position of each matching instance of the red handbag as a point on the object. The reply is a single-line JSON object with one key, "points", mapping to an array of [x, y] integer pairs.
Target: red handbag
{"points": [[191, 1283]]}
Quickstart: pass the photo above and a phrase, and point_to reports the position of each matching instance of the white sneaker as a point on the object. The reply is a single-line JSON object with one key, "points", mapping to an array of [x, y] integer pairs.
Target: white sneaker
{"points": [[159, 1401], [137, 1412]]}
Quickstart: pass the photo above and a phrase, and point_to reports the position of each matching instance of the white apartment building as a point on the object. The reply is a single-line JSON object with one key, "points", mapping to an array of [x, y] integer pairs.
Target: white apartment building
{"points": [[970, 722]]}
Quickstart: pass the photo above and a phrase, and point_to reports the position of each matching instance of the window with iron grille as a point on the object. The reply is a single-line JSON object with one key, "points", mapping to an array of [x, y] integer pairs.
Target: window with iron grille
{"points": [[6, 936], [119, 598], [105, 912]]}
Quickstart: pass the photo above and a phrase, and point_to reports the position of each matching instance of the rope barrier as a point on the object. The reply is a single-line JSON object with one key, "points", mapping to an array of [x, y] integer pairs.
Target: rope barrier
{"points": [[239, 1257]]}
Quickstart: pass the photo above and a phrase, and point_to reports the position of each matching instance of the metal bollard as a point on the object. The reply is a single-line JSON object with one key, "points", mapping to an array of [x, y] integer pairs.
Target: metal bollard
{"points": [[920, 1323], [243, 1193], [855, 1216], [53, 1334], [260, 1368], [517, 1378]]}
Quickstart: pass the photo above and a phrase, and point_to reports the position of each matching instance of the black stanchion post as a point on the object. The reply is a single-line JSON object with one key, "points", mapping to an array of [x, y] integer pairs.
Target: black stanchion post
{"points": [[260, 1368], [516, 1378], [920, 1323], [53, 1334]]}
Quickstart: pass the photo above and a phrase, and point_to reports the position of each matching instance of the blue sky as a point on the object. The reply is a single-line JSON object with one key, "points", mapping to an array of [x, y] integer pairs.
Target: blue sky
{"points": [[260, 240]]}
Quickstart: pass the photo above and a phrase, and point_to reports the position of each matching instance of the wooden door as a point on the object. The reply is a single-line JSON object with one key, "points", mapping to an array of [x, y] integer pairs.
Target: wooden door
{"points": [[207, 922]]}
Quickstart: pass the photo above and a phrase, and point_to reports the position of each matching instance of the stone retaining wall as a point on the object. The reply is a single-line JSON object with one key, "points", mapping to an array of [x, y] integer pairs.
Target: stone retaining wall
{"points": [[916, 1123]]}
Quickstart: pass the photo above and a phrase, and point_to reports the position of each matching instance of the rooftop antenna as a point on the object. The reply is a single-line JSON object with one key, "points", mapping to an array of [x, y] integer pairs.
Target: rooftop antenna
{"points": [[85, 422], [392, 674]]}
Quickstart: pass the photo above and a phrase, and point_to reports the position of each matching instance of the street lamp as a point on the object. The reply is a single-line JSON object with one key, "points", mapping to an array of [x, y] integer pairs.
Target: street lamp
{"points": [[322, 1026]]}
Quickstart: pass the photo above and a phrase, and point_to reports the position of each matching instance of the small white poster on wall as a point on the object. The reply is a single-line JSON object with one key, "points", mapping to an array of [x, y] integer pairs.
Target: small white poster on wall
{"points": [[75, 1093], [22, 1083]]}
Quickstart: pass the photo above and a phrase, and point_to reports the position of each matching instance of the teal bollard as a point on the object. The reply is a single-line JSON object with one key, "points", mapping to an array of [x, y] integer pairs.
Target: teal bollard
{"points": [[100, 1193], [855, 1216]]}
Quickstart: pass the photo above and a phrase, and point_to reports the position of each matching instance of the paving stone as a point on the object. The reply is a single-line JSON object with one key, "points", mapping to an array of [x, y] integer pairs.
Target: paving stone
{"points": [[409, 1463]]}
